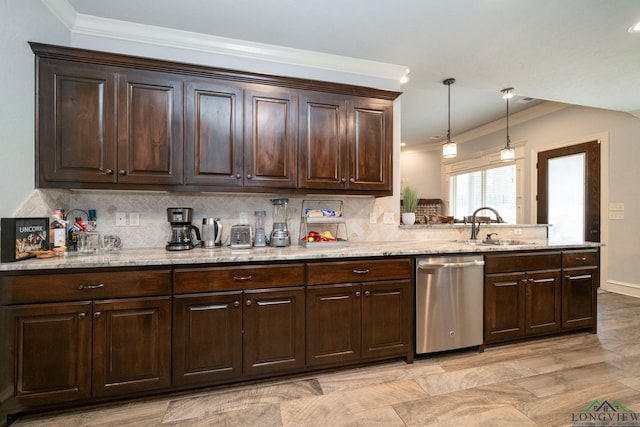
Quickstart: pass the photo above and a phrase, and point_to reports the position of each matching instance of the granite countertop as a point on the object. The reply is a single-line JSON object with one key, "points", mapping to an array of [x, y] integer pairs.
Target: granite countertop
{"points": [[160, 256]]}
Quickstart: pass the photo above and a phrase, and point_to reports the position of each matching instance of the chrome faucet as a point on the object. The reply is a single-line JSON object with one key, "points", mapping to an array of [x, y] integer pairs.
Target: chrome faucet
{"points": [[474, 229]]}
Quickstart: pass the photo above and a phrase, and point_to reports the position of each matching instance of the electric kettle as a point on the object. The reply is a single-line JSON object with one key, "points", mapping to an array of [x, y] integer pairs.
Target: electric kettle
{"points": [[211, 232]]}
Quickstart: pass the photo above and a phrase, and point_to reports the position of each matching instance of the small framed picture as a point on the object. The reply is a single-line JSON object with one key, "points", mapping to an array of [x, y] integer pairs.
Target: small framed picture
{"points": [[23, 238]]}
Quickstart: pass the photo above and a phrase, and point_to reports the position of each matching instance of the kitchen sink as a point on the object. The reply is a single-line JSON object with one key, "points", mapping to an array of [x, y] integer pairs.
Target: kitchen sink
{"points": [[504, 242]]}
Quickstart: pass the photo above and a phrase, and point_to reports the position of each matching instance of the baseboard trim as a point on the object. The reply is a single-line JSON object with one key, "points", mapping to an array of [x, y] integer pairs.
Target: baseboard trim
{"points": [[630, 289]]}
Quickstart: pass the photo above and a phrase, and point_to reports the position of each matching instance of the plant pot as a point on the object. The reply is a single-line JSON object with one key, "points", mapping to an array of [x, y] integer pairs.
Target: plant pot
{"points": [[409, 218]]}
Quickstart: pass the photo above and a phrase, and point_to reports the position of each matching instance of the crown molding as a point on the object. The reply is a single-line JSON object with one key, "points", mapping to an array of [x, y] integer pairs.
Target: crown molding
{"points": [[94, 26]]}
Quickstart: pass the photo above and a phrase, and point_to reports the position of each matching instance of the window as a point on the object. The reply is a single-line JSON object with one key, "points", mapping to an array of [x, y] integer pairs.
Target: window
{"points": [[494, 187], [485, 180]]}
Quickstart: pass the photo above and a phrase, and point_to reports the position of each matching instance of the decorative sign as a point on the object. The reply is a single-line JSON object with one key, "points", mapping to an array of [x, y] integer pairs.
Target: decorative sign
{"points": [[22, 238]]}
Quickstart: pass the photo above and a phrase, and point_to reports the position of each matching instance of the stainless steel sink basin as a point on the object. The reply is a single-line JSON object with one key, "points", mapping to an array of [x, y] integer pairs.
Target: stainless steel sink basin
{"points": [[503, 242]]}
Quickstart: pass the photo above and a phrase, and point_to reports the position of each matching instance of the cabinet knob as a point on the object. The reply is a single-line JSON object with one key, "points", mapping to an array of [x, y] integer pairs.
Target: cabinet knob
{"points": [[82, 315], [352, 180], [249, 176], [367, 293], [248, 303], [344, 180], [97, 314], [357, 293], [109, 171], [122, 172], [238, 176], [236, 303]]}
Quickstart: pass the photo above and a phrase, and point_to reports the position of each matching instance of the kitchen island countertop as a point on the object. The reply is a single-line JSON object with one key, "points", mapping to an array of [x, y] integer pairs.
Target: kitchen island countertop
{"points": [[160, 256]]}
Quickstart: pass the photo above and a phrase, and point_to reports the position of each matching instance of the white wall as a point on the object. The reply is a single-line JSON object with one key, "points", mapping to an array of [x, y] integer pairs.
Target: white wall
{"points": [[421, 168], [20, 22]]}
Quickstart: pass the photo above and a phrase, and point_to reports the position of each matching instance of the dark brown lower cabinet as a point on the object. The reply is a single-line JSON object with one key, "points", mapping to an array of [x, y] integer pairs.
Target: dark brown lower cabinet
{"points": [[359, 320], [131, 345], [529, 294], [46, 356], [580, 279]]}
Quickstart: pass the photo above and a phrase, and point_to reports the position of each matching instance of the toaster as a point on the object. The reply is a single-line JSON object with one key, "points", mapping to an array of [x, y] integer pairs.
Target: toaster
{"points": [[241, 236]]}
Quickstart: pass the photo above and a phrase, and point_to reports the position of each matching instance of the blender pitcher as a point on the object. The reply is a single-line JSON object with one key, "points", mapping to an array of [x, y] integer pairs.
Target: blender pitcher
{"points": [[280, 234]]}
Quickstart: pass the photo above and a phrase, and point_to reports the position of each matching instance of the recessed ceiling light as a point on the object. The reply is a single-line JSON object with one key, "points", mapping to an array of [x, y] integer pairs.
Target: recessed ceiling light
{"points": [[436, 137], [635, 28]]}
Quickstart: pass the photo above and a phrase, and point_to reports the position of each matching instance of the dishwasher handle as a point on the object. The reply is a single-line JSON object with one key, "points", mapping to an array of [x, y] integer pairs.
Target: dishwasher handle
{"points": [[433, 266]]}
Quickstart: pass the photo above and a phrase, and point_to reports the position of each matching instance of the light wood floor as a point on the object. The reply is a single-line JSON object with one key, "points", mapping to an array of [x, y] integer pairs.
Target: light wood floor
{"points": [[545, 382]]}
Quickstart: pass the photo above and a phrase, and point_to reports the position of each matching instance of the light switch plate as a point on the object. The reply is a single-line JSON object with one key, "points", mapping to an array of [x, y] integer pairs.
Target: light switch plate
{"points": [[121, 219], [616, 206], [616, 214]]}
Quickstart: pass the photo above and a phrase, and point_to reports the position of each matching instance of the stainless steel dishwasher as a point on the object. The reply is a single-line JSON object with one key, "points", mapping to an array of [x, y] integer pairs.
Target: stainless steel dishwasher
{"points": [[449, 303]]}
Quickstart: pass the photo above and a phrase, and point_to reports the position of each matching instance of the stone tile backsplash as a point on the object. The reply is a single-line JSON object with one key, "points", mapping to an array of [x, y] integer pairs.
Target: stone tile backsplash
{"points": [[154, 229]]}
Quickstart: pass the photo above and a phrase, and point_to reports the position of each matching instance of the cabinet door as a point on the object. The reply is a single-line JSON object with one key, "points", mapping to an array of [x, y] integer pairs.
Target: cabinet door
{"points": [[273, 330], [322, 142], [386, 319], [579, 287], [131, 345], [75, 123], [504, 316], [149, 128], [213, 136], [543, 302], [333, 324], [271, 135], [47, 353], [207, 337], [370, 140]]}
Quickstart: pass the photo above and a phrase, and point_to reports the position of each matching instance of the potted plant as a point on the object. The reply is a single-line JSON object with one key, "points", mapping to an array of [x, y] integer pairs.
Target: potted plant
{"points": [[409, 204]]}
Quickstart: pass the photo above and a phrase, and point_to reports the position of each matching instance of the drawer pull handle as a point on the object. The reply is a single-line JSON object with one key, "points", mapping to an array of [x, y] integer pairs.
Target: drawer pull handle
{"points": [[584, 258], [242, 278], [581, 277], [361, 271], [98, 286]]}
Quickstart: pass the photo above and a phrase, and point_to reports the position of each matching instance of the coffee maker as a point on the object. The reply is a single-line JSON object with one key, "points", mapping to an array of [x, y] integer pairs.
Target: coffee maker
{"points": [[182, 232]]}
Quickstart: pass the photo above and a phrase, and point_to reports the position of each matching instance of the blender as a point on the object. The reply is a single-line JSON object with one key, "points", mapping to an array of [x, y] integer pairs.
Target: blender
{"points": [[280, 233]]}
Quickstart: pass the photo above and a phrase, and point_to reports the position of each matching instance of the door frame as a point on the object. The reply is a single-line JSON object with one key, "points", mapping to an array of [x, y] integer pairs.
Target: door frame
{"points": [[603, 138]]}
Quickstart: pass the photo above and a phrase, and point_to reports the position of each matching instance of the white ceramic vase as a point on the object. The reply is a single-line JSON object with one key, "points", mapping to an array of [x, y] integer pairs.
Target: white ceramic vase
{"points": [[408, 218]]}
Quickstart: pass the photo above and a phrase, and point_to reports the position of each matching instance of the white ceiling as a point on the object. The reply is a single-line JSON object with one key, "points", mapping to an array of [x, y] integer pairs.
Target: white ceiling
{"points": [[569, 51]]}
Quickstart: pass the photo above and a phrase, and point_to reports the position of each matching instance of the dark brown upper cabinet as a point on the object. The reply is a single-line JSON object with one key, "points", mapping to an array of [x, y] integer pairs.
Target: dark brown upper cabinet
{"points": [[270, 137], [110, 121], [213, 134], [346, 143]]}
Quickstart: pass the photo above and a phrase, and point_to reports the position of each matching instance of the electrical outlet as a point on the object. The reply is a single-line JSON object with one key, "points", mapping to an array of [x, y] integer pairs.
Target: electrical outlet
{"points": [[121, 219], [134, 219], [388, 218], [372, 218]]}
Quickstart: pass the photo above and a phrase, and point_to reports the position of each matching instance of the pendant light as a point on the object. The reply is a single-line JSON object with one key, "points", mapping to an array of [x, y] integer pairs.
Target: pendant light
{"points": [[507, 153], [449, 148]]}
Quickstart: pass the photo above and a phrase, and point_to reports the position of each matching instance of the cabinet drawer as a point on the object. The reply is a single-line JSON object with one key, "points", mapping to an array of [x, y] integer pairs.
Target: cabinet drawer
{"points": [[224, 278], [579, 258], [319, 273], [84, 286], [510, 263]]}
